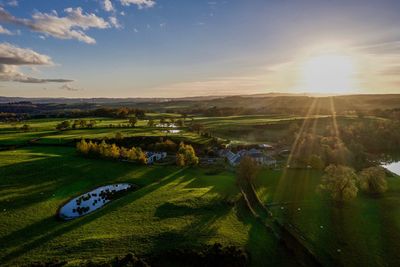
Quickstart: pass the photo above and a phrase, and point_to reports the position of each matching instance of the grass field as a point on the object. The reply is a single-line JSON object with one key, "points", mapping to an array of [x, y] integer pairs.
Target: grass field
{"points": [[174, 208], [44, 131], [177, 208], [364, 232]]}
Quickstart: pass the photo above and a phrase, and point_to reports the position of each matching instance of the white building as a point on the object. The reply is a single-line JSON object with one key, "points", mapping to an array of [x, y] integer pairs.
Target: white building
{"points": [[155, 156], [255, 154]]}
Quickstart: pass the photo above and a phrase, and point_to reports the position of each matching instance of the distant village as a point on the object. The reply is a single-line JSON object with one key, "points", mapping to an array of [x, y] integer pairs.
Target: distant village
{"points": [[264, 155]]}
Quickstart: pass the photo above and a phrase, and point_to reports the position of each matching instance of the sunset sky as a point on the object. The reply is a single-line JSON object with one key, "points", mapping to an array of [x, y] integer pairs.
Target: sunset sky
{"points": [[177, 48]]}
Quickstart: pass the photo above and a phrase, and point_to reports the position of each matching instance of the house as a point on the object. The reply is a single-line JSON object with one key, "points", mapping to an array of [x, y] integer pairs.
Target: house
{"points": [[155, 156], [265, 146], [257, 155]]}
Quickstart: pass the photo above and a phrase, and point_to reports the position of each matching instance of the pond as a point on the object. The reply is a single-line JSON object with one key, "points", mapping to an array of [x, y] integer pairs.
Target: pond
{"points": [[172, 131], [393, 167], [93, 200]]}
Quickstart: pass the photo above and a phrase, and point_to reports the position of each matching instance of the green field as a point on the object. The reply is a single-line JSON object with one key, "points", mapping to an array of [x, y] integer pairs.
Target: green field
{"points": [[364, 232], [177, 208], [174, 208]]}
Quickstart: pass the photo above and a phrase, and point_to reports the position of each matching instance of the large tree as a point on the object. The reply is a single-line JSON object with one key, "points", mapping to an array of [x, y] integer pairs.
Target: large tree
{"points": [[132, 121], [373, 180], [186, 156], [340, 182], [247, 170]]}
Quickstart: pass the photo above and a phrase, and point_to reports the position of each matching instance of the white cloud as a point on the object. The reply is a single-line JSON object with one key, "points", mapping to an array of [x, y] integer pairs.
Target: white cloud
{"points": [[69, 87], [71, 26], [12, 3], [5, 31], [115, 23], [107, 5], [139, 3], [11, 57]]}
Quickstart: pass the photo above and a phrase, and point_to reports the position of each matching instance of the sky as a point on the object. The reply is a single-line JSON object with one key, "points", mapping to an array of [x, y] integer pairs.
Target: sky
{"points": [[165, 48]]}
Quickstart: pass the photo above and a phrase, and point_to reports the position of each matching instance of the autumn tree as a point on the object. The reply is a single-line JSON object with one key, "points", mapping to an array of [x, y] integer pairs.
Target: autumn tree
{"points": [[186, 156], [373, 180], [83, 147], [339, 182]]}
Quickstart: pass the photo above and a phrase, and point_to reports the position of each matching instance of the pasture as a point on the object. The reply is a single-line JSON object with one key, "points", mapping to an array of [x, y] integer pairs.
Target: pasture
{"points": [[177, 208], [363, 232], [173, 208]]}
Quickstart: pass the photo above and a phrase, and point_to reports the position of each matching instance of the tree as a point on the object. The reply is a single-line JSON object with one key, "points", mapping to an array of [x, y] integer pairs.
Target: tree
{"points": [[316, 162], [132, 121], [63, 125], [122, 112], [141, 156], [247, 170], [25, 127], [150, 123], [82, 123], [196, 127], [83, 147], [179, 123], [373, 180], [119, 136], [180, 160], [340, 182], [186, 156], [114, 151]]}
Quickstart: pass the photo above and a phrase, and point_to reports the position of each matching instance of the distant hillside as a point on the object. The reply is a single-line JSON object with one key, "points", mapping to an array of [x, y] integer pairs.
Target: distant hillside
{"points": [[274, 103]]}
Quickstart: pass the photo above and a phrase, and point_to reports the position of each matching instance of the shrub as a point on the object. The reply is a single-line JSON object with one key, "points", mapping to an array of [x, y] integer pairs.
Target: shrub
{"points": [[373, 180]]}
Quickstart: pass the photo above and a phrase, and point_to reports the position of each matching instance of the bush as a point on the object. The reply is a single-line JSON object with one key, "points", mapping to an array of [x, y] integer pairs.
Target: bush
{"points": [[111, 151], [340, 182], [373, 180]]}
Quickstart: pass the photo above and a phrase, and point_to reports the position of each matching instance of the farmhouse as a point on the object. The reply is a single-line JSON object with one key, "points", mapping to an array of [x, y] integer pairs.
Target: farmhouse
{"points": [[155, 156], [257, 155]]}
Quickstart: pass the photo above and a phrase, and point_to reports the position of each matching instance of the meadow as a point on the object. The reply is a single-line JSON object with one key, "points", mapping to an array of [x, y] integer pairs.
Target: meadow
{"points": [[173, 208], [177, 208]]}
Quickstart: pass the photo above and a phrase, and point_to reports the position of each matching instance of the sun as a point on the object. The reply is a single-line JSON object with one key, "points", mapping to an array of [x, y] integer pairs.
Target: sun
{"points": [[329, 74]]}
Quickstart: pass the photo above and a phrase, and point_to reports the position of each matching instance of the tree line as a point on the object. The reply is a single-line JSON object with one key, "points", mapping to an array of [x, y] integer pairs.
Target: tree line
{"points": [[185, 155], [112, 151], [341, 183]]}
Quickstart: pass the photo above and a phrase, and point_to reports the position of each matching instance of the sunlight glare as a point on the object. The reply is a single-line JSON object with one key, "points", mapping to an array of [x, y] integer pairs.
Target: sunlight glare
{"points": [[328, 74]]}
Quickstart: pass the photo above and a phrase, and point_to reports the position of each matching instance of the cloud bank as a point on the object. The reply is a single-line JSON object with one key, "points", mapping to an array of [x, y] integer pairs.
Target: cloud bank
{"points": [[72, 26], [13, 57], [5, 31], [139, 3]]}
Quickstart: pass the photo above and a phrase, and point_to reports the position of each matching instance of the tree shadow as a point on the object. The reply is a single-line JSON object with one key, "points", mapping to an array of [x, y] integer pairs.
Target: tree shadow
{"points": [[43, 231], [196, 233], [261, 242]]}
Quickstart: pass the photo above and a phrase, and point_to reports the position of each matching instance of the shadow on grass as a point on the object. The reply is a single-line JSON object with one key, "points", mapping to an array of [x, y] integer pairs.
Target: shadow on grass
{"points": [[264, 247], [201, 228], [49, 228]]}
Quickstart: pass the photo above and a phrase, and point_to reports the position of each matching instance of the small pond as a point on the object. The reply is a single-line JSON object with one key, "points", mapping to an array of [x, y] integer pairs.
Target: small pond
{"points": [[93, 200], [172, 131]]}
